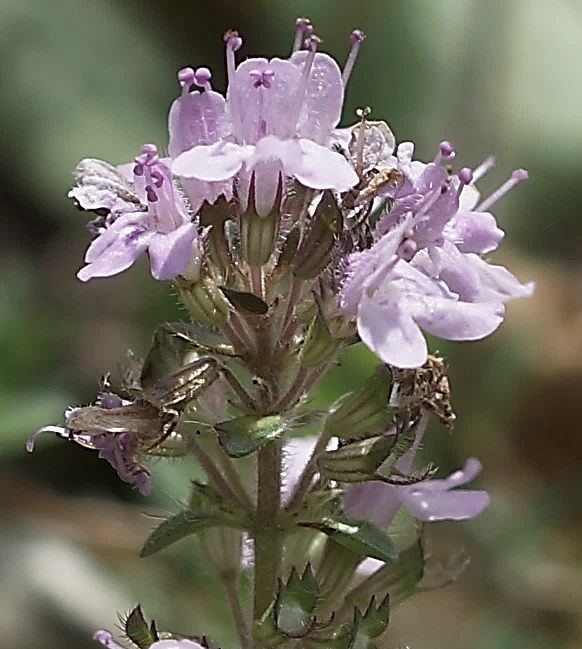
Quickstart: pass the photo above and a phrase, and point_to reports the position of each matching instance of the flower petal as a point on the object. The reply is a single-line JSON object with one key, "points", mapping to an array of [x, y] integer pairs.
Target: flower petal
{"points": [[116, 249], [433, 505], [212, 163], [322, 168], [452, 320], [391, 333], [170, 253], [194, 119], [324, 96]]}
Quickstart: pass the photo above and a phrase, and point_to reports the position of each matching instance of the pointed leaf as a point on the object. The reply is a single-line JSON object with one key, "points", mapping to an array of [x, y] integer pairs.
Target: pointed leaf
{"points": [[137, 629], [181, 525], [296, 600], [245, 435], [359, 536], [166, 355], [245, 302], [375, 620]]}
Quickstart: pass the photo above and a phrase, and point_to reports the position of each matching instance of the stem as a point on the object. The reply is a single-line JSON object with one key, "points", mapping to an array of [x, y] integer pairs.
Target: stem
{"points": [[246, 400], [239, 327], [257, 280], [267, 536], [231, 474], [213, 474], [303, 382], [238, 614], [288, 325]]}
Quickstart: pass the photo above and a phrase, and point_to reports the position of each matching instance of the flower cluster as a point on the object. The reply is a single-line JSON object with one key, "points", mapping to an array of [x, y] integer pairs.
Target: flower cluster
{"points": [[288, 239]]}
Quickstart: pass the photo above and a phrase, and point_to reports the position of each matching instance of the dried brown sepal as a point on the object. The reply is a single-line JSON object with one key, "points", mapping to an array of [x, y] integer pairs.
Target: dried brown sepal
{"points": [[423, 388]]}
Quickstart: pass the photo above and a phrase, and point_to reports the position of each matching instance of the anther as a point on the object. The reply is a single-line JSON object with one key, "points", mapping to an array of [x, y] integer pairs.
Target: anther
{"points": [[151, 194], [356, 38], [186, 78], [202, 78], [262, 78], [157, 178], [233, 40], [465, 176], [303, 28], [446, 152]]}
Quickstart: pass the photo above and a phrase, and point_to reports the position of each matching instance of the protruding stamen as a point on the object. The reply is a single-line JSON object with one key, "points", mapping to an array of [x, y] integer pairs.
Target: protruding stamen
{"points": [[186, 78], [465, 176], [311, 43], [356, 38], [303, 29], [483, 168], [233, 43], [202, 78], [446, 152], [362, 113], [516, 177]]}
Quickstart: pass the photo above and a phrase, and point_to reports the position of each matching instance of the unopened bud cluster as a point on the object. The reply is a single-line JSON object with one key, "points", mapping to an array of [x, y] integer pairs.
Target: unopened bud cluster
{"points": [[288, 239]]}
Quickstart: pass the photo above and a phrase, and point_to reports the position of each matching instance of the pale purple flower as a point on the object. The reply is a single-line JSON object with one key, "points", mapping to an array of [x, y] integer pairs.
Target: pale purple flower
{"points": [[276, 123], [424, 272], [155, 221], [106, 639], [428, 500]]}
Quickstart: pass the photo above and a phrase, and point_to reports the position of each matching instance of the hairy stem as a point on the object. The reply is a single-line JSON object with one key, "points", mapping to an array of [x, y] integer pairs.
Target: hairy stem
{"points": [[213, 474], [238, 614], [267, 536]]}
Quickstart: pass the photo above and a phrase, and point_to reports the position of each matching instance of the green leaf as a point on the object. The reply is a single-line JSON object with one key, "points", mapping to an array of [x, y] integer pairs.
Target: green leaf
{"points": [[166, 355], [245, 435], [375, 620], [245, 302], [296, 600], [359, 536], [138, 631], [184, 524], [356, 461]]}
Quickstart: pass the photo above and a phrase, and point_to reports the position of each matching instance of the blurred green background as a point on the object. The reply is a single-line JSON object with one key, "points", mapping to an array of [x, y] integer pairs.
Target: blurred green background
{"points": [[95, 78]]}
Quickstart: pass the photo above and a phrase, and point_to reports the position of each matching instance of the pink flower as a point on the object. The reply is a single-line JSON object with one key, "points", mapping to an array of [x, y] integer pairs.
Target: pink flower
{"points": [[424, 271], [275, 123], [148, 215]]}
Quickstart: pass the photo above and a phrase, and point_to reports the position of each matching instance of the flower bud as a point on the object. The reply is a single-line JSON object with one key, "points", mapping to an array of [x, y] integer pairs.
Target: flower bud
{"points": [[319, 346], [204, 300], [356, 461], [214, 217], [365, 411], [314, 252], [258, 232], [258, 236]]}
